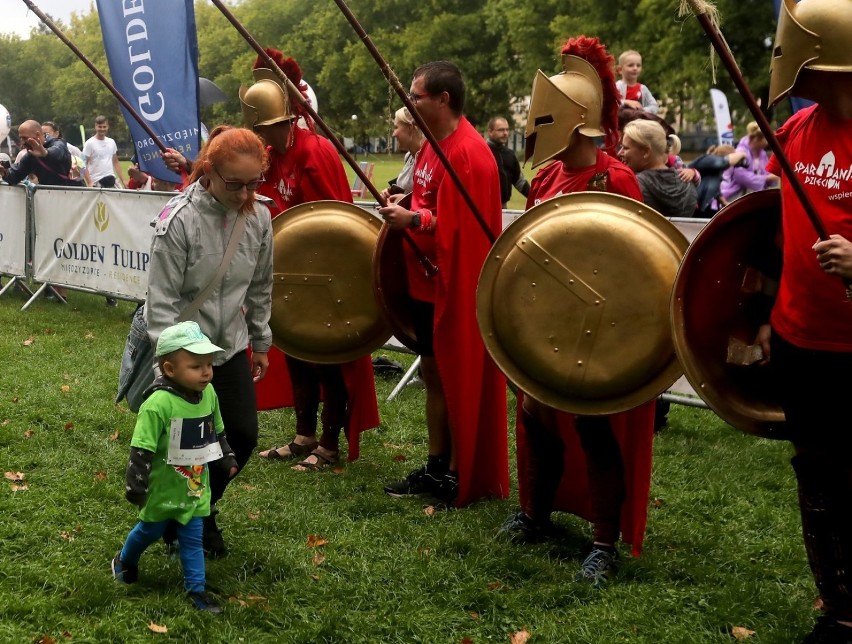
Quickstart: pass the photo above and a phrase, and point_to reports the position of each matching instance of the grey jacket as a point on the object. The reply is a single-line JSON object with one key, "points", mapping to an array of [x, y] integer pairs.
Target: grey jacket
{"points": [[649, 103], [664, 191], [190, 238]]}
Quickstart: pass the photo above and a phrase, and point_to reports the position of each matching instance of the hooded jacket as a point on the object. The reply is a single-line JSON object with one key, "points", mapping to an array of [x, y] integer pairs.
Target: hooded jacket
{"points": [[664, 191]]}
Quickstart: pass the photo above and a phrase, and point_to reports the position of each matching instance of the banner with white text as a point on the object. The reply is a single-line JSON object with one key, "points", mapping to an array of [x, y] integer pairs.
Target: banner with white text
{"points": [[152, 51], [13, 230], [96, 241]]}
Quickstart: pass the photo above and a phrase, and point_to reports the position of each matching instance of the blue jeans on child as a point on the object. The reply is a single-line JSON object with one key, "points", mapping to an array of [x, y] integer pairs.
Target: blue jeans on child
{"points": [[191, 553]]}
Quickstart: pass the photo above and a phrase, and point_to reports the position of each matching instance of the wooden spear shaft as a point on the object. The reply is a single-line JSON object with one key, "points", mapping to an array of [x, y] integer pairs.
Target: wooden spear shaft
{"points": [[403, 94]]}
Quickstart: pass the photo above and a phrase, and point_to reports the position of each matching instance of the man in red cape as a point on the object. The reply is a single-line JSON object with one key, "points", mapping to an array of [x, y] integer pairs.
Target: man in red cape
{"points": [[304, 167], [598, 467], [465, 393]]}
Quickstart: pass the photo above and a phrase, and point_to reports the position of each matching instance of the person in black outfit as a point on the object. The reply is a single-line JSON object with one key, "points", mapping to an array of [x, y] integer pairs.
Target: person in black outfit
{"points": [[47, 158], [507, 163], [712, 166]]}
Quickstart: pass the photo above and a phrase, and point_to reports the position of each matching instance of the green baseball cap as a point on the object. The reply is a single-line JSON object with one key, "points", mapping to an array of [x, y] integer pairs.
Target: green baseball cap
{"points": [[185, 335]]}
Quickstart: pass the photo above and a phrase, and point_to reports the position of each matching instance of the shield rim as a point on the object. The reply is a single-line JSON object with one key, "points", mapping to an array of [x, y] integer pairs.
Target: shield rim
{"points": [[664, 377]]}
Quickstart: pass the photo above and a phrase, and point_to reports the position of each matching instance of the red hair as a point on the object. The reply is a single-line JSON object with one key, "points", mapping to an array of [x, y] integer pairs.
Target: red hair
{"points": [[293, 72], [224, 144], [592, 50]]}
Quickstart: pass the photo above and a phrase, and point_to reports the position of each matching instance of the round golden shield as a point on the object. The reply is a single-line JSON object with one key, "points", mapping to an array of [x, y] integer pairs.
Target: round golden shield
{"points": [[323, 308], [573, 302], [713, 333]]}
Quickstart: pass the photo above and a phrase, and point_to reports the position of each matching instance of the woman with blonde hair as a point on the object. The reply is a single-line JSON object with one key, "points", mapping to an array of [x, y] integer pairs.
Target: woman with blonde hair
{"points": [[645, 149], [410, 139], [191, 235]]}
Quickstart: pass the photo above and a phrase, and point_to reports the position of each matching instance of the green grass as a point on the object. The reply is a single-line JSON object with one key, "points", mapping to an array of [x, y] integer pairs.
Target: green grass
{"points": [[723, 547]]}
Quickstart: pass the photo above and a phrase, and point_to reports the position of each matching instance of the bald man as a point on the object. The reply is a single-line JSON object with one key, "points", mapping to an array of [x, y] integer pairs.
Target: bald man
{"points": [[47, 158]]}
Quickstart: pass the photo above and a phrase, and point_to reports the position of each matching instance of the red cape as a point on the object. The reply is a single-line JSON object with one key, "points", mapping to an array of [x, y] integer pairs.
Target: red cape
{"points": [[310, 171], [634, 431], [474, 388]]}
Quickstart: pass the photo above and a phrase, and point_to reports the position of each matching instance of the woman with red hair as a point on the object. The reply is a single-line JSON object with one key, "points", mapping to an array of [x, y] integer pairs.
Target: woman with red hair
{"points": [[191, 235]]}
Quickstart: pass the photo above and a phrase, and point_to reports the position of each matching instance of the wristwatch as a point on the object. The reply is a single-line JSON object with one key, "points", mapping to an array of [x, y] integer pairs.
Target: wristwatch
{"points": [[415, 219]]}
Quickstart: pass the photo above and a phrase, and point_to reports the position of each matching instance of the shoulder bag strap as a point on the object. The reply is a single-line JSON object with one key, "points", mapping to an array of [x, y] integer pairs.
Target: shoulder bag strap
{"points": [[233, 242]]}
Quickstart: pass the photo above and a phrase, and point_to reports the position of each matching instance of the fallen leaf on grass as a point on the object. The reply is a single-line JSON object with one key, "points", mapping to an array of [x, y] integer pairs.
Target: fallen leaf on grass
{"points": [[20, 488], [65, 389], [237, 600], [520, 637], [474, 615], [400, 458], [6, 422], [67, 635], [29, 341], [17, 477], [741, 632], [15, 399], [338, 470], [246, 486], [494, 585], [66, 535], [466, 640], [45, 639], [100, 475], [69, 425], [315, 541], [315, 577], [254, 516], [319, 558], [113, 437], [89, 336], [156, 628], [424, 552], [658, 503], [256, 598], [429, 510], [29, 433]]}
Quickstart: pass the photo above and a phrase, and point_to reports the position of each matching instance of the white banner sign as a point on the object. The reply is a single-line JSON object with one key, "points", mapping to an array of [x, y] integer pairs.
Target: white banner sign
{"points": [[95, 240], [724, 127], [13, 230]]}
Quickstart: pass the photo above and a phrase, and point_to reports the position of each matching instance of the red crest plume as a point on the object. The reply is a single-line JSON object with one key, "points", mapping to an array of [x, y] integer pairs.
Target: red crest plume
{"points": [[592, 50]]}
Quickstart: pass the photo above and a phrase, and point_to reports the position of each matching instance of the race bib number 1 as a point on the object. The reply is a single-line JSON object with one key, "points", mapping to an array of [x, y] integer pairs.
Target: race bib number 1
{"points": [[192, 441]]}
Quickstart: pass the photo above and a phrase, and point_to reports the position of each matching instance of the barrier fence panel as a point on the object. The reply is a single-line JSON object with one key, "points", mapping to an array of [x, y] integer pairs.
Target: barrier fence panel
{"points": [[94, 240], [13, 231]]}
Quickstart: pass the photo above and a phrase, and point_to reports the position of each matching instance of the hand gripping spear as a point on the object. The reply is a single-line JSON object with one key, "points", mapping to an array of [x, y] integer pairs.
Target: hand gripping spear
{"points": [[403, 94], [52, 26], [294, 92]]}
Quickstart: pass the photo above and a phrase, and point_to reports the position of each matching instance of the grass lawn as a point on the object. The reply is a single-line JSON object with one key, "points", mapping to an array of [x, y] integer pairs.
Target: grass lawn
{"points": [[723, 547]]}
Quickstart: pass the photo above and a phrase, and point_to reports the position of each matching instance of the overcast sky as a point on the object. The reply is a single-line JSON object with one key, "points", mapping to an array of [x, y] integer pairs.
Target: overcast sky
{"points": [[15, 16]]}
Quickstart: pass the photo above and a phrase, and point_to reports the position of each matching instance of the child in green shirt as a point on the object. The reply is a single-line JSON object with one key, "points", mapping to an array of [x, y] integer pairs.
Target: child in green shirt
{"points": [[179, 431]]}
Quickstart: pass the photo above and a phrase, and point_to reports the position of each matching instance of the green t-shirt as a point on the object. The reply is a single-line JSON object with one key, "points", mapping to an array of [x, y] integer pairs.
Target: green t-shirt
{"points": [[178, 492]]}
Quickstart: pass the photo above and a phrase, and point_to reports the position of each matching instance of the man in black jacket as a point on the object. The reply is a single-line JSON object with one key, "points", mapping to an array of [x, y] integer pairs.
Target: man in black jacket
{"points": [[507, 162], [47, 158]]}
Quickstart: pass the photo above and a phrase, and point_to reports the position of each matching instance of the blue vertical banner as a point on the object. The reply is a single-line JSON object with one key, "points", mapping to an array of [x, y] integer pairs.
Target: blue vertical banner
{"points": [[152, 51]]}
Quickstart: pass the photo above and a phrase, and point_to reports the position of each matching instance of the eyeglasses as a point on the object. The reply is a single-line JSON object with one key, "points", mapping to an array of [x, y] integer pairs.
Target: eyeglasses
{"points": [[416, 97], [236, 186]]}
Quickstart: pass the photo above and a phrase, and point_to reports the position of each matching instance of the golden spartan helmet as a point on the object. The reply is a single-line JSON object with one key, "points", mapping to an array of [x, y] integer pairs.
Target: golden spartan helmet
{"points": [[266, 102], [812, 34], [571, 100]]}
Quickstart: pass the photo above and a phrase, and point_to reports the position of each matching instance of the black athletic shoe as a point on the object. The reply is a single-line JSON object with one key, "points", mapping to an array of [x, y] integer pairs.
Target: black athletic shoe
{"points": [[212, 541], [417, 483], [125, 573], [448, 488], [829, 631], [522, 529], [599, 567], [206, 602]]}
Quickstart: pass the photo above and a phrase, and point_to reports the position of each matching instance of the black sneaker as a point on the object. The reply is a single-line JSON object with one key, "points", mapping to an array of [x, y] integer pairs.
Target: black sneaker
{"points": [[829, 631], [448, 488], [522, 529], [599, 567], [123, 572], [212, 541], [417, 483], [205, 601], [111, 302]]}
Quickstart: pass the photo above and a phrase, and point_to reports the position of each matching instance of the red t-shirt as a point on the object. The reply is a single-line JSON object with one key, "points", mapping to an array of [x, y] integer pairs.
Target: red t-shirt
{"points": [[812, 310], [310, 171], [555, 179]]}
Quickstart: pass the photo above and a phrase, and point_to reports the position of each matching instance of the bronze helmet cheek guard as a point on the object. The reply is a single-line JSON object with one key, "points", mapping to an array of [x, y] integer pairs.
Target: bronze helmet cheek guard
{"points": [[812, 34], [266, 102], [559, 105]]}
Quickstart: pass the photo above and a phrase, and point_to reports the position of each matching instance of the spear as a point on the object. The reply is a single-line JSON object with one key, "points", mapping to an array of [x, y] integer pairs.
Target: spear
{"points": [[294, 92], [403, 94], [52, 26], [707, 17]]}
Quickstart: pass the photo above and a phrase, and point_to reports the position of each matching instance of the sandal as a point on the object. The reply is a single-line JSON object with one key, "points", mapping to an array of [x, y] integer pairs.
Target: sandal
{"points": [[318, 463], [294, 450]]}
